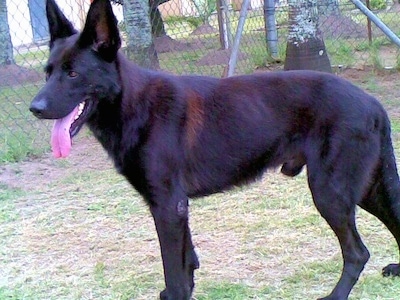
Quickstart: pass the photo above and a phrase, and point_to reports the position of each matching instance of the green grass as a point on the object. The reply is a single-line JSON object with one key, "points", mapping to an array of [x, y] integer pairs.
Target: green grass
{"points": [[389, 18], [340, 52], [8, 213], [21, 135], [32, 59], [395, 124], [226, 291], [265, 241], [11, 294], [19, 145]]}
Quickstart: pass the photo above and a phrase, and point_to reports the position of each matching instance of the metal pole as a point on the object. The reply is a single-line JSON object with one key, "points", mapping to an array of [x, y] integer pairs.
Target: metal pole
{"points": [[270, 27], [238, 35], [386, 30]]}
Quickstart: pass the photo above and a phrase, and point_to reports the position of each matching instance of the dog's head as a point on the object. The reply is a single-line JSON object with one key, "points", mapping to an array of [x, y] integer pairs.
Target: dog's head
{"points": [[81, 71]]}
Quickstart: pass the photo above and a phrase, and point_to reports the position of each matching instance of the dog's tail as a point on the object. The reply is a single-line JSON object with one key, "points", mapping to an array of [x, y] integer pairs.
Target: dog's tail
{"points": [[390, 177], [387, 208]]}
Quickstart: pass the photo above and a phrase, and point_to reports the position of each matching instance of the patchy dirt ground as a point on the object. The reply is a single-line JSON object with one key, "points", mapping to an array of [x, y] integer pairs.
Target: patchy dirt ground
{"points": [[31, 174]]}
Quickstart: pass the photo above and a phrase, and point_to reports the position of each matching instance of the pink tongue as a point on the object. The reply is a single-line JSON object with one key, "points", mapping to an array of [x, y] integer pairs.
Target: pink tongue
{"points": [[60, 137]]}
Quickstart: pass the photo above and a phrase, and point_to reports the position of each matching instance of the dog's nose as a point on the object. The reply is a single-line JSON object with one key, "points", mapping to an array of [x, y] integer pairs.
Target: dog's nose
{"points": [[38, 107]]}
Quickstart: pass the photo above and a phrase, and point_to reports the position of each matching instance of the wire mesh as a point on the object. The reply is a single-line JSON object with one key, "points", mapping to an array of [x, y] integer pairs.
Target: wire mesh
{"points": [[188, 36]]}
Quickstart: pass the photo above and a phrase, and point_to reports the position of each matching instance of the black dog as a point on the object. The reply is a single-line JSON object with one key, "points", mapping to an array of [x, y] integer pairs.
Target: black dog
{"points": [[175, 137]]}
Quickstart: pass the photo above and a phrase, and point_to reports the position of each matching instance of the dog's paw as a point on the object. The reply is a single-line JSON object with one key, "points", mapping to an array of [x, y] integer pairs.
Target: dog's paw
{"points": [[391, 270], [166, 295]]}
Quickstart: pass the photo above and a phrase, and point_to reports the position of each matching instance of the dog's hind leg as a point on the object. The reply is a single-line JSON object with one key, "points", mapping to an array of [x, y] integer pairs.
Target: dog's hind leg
{"points": [[380, 206], [383, 199], [179, 258], [342, 221], [335, 195]]}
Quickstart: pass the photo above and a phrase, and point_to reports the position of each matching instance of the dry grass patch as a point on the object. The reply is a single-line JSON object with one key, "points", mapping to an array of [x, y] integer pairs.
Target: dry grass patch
{"points": [[83, 233]]}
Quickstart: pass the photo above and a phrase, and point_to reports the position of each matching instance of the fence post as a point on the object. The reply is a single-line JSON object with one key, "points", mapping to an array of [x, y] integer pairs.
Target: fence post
{"points": [[238, 35], [270, 27]]}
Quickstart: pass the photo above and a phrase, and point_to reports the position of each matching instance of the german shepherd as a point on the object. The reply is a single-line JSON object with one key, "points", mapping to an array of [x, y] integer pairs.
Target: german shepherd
{"points": [[180, 137]]}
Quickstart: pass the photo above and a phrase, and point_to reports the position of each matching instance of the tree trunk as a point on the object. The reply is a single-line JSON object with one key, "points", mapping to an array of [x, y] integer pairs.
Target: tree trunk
{"points": [[157, 23], [6, 47], [140, 46], [305, 46]]}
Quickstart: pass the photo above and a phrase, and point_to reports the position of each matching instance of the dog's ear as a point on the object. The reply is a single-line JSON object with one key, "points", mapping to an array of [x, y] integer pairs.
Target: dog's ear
{"points": [[101, 30], [59, 26]]}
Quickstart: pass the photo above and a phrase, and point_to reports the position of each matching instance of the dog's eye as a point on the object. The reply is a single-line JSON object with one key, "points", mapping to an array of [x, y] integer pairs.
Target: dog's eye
{"points": [[72, 74]]}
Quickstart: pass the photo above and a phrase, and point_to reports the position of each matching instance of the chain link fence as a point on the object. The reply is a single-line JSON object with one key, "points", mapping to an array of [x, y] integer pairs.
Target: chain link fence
{"points": [[190, 36]]}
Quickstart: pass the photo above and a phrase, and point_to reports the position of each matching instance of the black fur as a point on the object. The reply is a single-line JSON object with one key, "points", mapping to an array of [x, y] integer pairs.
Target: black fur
{"points": [[175, 137]]}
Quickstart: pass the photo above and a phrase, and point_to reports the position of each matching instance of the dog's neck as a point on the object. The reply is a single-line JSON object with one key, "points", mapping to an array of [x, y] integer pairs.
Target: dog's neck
{"points": [[133, 77], [107, 123]]}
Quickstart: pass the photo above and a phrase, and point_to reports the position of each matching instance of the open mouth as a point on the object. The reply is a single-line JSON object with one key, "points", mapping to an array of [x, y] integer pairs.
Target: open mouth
{"points": [[78, 119], [66, 128]]}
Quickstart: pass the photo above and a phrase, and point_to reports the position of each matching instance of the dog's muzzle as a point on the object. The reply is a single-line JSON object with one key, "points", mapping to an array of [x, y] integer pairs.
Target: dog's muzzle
{"points": [[39, 107]]}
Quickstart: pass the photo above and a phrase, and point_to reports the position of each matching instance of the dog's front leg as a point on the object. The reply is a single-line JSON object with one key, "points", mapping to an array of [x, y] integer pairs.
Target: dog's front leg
{"points": [[179, 258]]}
